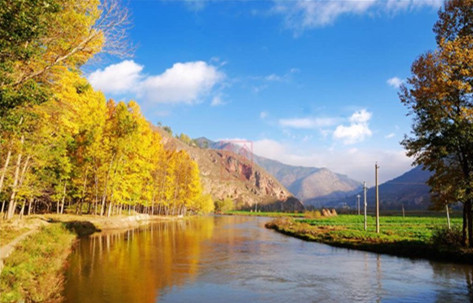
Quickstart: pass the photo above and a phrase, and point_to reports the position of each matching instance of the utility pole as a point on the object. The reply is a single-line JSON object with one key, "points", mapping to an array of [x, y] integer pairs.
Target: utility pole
{"points": [[358, 204], [364, 200], [377, 196]]}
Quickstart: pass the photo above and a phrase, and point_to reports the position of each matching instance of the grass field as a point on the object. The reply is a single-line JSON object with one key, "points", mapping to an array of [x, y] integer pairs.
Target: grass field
{"points": [[395, 228], [33, 273], [419, 237]]}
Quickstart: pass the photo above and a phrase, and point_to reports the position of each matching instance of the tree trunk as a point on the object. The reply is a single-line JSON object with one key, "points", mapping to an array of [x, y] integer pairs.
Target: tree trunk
{"points": [[103, 203], [12, 205], [20, 183], [470, 223], [63, 197], [22, 211], [58, 205], [30, 201], [3, 207], [110, 205], [465, 220], [96, 199], [102, 210], [83, 192], [2, 177]]}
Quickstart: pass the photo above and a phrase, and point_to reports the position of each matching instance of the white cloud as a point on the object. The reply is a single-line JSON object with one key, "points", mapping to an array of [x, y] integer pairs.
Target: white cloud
{"points": [[277, 78], [273, 77], [263, 115], [302, 14], [307, 123], [398, 5], [186, 82], [216, 101], [361, 116], [394, 82], [193, 5], [390, 136], [358, 129], [307, 138], [117, 78], [182, 83], [305, 14], [269, 148]]}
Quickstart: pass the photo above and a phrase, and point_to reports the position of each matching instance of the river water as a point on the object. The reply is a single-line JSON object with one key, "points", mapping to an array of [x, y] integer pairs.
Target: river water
{"points": [[235, 259]]}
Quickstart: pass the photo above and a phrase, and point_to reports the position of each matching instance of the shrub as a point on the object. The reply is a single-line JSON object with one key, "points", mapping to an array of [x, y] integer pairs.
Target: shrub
{"points": [[224, 206], [447, 237]]}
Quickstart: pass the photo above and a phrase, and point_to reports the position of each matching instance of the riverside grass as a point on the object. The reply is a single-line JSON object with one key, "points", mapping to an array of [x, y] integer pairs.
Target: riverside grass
{"points": [[33, 272], [400, 236]]}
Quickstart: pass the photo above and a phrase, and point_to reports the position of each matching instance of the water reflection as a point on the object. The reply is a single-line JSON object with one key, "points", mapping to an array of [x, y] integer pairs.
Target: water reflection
{"points": [[137, 265], [451, 273], [235, 259]]}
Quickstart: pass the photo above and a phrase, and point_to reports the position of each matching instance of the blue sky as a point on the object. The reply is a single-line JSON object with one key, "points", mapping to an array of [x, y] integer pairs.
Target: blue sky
{"points": [[310, 83]]}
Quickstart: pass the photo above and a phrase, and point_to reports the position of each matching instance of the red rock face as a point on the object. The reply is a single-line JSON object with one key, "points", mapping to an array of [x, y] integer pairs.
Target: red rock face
{"points": [[225, 174], [260, 183]]}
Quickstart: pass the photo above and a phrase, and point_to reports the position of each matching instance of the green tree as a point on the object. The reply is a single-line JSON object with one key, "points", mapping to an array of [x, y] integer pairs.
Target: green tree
{"points": [[40, 39], [439, 95], [224, 205]]}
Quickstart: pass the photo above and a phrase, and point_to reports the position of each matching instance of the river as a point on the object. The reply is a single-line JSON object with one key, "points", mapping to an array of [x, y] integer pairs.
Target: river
{"points": [[235, 259]]}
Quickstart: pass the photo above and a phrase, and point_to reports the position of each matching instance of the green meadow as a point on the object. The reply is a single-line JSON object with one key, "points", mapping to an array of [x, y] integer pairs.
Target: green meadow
{"points": [[410, 236]]}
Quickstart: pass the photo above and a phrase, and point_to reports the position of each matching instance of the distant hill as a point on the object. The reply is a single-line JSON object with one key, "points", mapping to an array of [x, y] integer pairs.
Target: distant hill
{"points": [[306, 183], [227, 174], [409, 189]]}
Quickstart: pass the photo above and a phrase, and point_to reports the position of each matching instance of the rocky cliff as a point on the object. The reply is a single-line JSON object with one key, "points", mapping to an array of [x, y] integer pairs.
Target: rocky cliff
{"points": [[227, 174], [311, 185]]}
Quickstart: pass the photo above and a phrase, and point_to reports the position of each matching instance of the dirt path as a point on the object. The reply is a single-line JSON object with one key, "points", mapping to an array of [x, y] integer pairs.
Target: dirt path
{"points": [[7, 249]]}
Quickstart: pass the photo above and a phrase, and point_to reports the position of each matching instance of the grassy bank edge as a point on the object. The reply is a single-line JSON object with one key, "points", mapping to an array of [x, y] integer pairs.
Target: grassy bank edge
{"points": [[34, 272], [409, 249], [85, 225], [262, 214]]}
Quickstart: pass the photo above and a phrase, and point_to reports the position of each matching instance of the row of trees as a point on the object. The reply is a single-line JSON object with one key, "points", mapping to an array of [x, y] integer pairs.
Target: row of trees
{"points": [[61, 143]]}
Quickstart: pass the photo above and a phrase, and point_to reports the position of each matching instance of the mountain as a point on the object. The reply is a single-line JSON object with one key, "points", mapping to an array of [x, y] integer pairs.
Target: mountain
{"points": [[409, 190], [227, 174], [306, 183]]}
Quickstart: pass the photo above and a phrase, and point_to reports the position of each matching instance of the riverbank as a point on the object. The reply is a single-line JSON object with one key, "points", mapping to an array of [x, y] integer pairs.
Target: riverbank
{"points": [[34, 270], [88, 224], [406, 237], [262, 214], [34, 251]]}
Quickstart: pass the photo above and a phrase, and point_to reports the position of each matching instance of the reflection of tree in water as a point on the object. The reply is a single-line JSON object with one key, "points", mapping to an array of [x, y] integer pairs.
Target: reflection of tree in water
{"points": [[453, 273], [137, 265]]}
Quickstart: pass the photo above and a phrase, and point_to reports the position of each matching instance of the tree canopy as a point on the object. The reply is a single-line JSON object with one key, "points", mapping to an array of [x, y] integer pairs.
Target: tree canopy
{"points": [[63, 147], [439, 95]]}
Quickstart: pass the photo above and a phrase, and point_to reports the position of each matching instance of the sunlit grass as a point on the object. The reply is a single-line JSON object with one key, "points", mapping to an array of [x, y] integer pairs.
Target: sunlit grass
{"points": [[393, 227], [32, 273], [407, 236]]}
